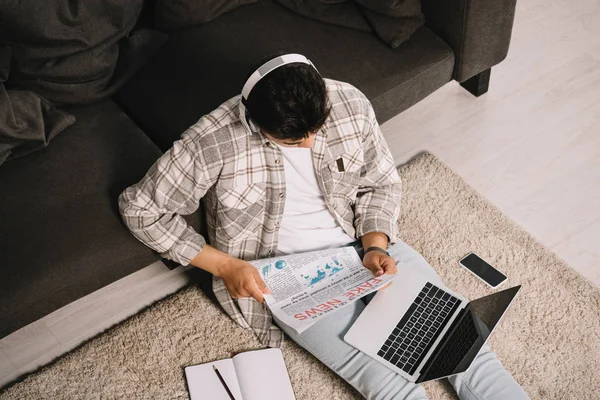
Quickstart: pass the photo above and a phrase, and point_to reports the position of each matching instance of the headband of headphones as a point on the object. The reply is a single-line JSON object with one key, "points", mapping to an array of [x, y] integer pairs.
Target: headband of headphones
{"points": [[271, 65]]}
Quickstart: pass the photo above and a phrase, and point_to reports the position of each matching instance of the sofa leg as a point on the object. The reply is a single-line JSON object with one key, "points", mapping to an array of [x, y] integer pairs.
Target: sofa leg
{"points": [[478, 84]]}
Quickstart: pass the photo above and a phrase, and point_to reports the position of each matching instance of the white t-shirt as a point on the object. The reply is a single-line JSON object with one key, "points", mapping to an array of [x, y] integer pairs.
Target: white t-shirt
{"points": [[306, 224]]}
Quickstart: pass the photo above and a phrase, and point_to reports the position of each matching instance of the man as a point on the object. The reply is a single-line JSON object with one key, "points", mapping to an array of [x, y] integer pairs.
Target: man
{"points": [[297, 163]]}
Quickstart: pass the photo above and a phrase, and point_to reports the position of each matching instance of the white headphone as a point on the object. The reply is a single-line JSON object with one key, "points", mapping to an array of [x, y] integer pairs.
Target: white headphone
{"points": [[271, 65]]}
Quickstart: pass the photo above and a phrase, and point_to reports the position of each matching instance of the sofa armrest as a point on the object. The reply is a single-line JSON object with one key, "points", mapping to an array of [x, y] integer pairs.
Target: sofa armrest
{"points": [[477, 30]]}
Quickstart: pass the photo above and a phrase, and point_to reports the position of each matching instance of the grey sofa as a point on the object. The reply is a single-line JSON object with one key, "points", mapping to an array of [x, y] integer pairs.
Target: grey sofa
{"points": [[60, 232]]}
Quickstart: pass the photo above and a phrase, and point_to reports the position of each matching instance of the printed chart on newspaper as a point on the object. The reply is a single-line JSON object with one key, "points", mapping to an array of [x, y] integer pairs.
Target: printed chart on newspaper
{"points": [[306, 287]]}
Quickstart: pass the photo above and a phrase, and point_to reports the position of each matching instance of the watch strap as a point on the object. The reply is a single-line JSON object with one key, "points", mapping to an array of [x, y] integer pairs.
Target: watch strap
{"points": [[375, 248]]}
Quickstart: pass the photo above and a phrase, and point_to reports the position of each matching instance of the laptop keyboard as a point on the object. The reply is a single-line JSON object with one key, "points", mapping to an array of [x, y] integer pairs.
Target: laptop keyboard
{"points": [[420, 326]]}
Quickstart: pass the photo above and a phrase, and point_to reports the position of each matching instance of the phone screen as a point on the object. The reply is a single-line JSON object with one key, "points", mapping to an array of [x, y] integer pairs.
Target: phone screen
{"points": [[483, 270]]}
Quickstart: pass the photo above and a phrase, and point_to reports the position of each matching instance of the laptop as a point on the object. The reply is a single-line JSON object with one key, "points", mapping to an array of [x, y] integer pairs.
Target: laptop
{"points": [[424, 331]]}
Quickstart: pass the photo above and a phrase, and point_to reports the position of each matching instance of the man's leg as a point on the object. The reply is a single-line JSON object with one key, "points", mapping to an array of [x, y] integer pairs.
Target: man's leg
{"points": [[372, 379], [486, 378]]}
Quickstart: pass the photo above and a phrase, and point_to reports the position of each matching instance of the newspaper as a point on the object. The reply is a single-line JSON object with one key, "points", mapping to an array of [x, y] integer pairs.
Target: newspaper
{"points": [[306, 287]]}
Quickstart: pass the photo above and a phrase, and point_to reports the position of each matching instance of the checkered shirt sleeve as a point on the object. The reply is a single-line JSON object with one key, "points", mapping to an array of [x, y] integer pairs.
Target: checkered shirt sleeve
{"points": [[153, 208], [377, 206]]}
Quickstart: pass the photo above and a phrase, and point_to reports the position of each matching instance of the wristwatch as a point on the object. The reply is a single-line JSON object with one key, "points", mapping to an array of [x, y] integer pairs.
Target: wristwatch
{"points": [[375, 248]]}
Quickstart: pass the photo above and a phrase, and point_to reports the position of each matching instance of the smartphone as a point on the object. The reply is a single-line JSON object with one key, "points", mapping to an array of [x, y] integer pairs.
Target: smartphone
{"points": [[481, 269]]}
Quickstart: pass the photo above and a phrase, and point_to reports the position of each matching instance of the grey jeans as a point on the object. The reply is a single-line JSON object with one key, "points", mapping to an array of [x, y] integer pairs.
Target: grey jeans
{"points": [[485, 379]]}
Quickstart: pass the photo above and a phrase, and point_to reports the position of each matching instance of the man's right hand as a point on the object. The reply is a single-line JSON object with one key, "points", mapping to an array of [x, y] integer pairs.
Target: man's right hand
{"points": [[242, 279]]}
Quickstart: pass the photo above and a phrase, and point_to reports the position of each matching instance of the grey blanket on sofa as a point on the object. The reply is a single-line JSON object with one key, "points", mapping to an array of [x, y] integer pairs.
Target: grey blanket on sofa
{"points": [[75, 52], [56, 52], [394, 21], [27, 121]]}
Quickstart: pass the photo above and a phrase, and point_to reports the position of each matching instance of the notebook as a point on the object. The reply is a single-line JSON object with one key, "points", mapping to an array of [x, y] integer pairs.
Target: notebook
{"points": [[253, 375]]}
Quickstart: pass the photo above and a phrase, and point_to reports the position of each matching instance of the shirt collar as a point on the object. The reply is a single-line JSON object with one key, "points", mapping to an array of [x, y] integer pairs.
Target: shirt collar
{"points": [[248, 124], [244, 119]]}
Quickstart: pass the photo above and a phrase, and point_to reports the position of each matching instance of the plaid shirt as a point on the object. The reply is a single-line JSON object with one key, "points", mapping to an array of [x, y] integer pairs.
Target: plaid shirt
{"points": [[240, 176]]}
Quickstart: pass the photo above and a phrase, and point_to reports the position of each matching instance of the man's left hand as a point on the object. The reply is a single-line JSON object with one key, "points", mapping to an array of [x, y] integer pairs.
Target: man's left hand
{"points": [[379, 263]]}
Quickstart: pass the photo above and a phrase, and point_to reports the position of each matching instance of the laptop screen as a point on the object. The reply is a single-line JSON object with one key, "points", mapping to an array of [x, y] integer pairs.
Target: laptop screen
{"points": [[467, 335], [488, 310]]}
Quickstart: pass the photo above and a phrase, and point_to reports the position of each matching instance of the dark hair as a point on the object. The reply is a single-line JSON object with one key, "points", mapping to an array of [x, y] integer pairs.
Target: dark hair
{"points": [[290, 102]]}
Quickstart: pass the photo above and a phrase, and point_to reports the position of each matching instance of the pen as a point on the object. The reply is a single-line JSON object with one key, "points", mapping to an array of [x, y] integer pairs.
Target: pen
{"points": [[223, 383]]}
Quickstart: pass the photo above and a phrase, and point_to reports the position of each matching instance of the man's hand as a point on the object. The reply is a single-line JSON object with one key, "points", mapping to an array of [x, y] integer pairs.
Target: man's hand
{"points": [[376, 261], [379, 263], [242, 279]]}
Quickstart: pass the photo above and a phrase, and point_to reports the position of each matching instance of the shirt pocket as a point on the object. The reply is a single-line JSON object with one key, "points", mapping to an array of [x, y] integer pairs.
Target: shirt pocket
{"points": [[240, 210], [345, 182]]}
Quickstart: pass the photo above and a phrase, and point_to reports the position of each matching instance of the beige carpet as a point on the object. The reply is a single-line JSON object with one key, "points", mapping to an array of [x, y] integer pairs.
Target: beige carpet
{"points": [[549, 339]]}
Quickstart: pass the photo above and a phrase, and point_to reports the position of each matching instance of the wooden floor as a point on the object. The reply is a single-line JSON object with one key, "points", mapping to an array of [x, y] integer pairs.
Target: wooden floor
{"points": [[531, 146]]}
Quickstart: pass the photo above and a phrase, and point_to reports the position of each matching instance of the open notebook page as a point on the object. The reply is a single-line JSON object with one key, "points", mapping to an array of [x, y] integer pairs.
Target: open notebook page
{"points": [[203, 382], [262, 375]]}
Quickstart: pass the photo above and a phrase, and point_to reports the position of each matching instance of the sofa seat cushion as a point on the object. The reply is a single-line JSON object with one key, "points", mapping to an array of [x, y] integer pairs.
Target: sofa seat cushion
{"points": [[61, 236], [201, 67]]}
